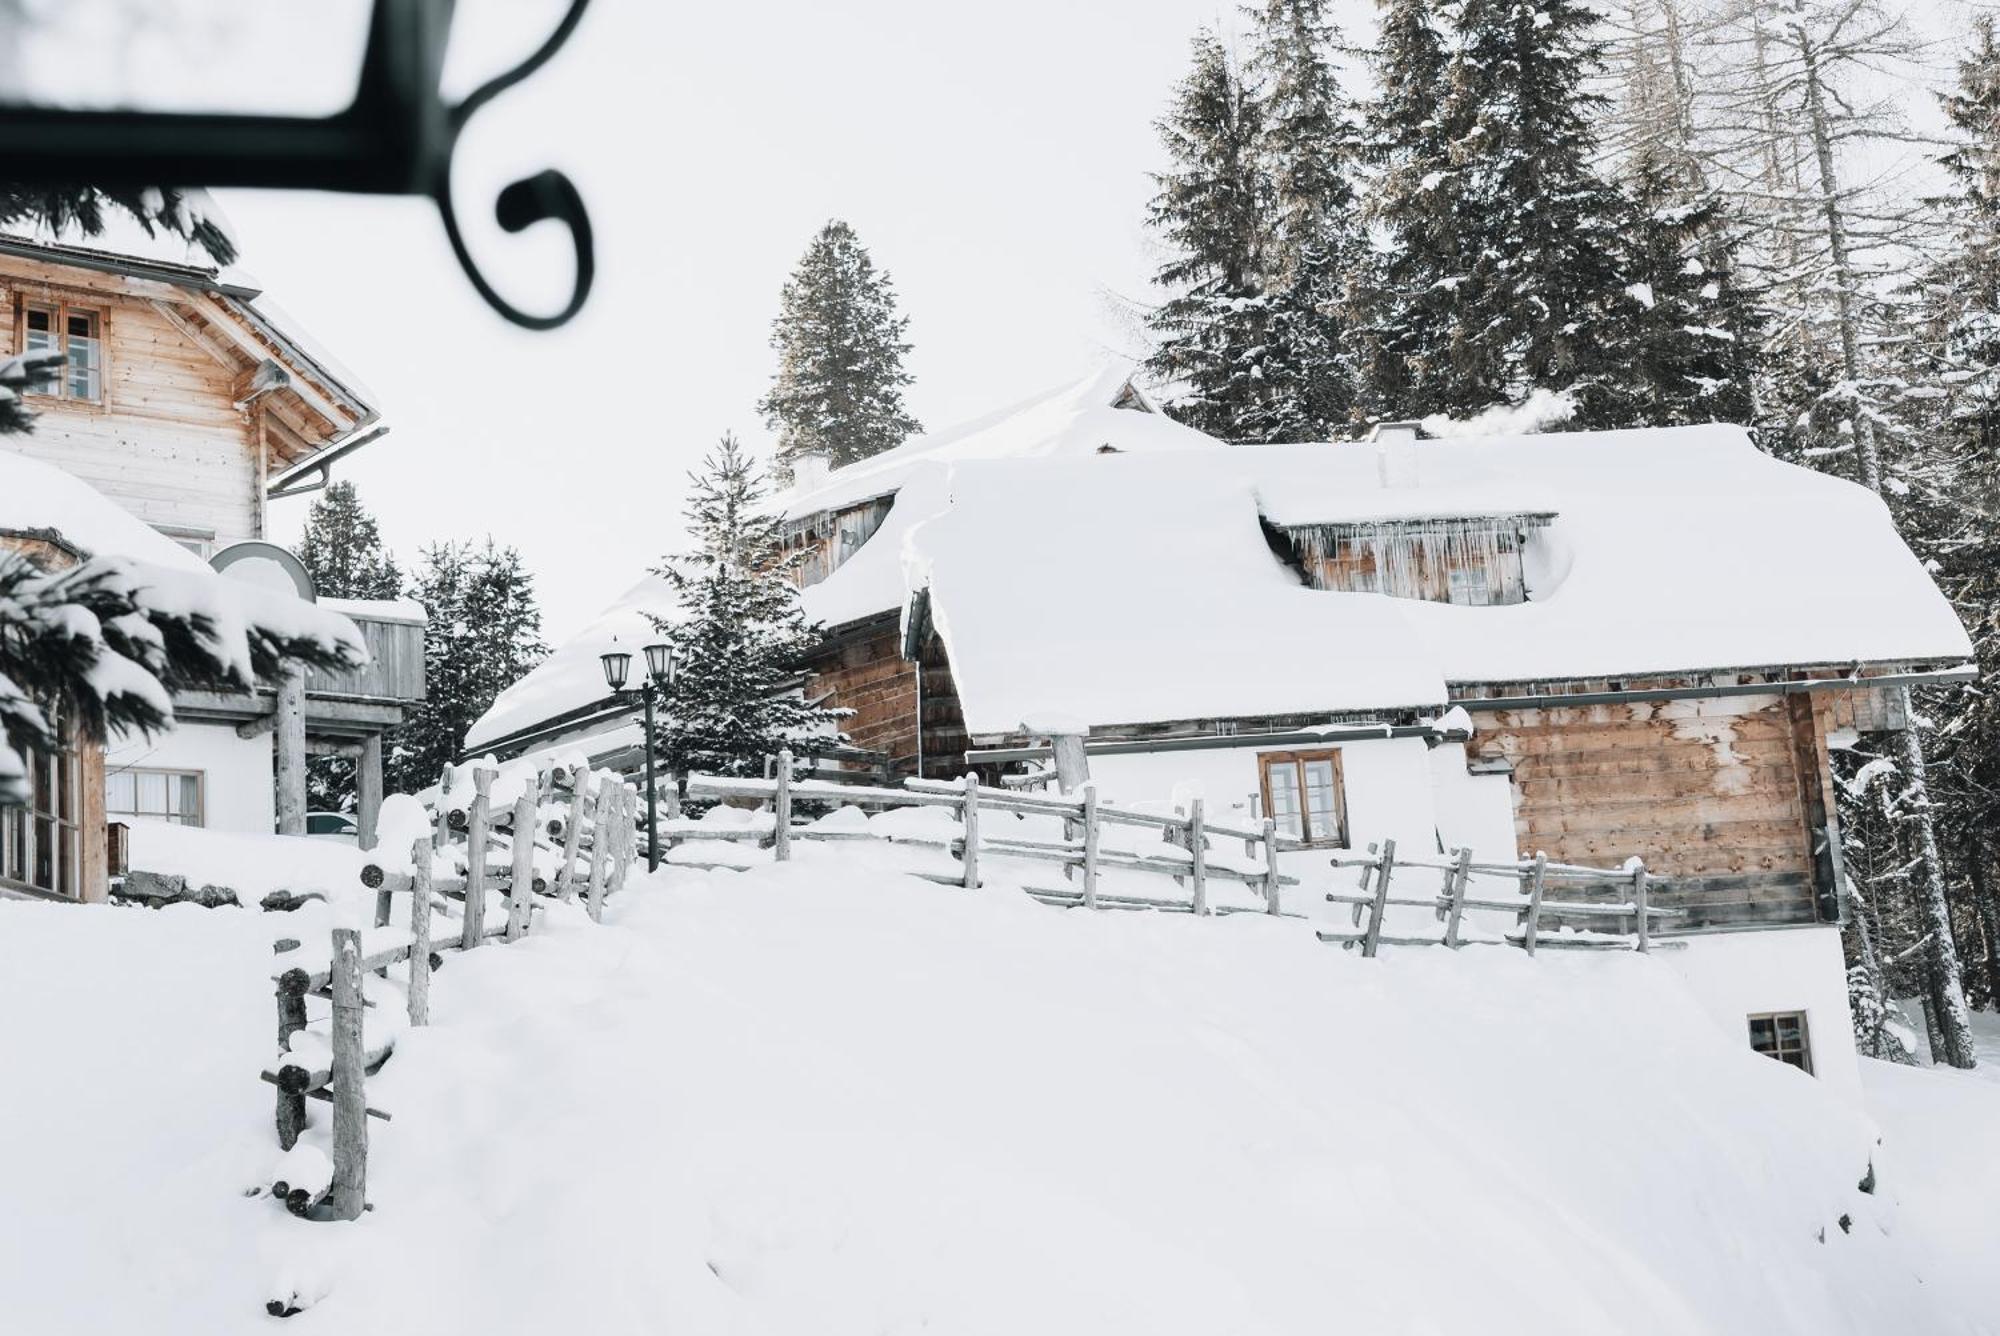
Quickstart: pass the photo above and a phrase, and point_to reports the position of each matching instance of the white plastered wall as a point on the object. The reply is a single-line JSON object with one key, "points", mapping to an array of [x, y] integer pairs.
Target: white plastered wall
{"points": [[237, 787], [1737, 975]]}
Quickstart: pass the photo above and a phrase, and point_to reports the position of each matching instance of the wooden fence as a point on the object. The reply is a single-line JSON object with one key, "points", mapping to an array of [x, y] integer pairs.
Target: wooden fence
{"points": [[1632, 915], [586, 826], [1185, 837]]}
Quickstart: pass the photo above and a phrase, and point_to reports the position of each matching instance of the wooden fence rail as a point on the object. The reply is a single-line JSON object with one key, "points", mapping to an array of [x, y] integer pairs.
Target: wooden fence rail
{"points": [[1185, 841], [600, 853]]}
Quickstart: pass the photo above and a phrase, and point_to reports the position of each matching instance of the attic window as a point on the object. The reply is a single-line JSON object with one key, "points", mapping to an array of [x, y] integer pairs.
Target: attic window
{"points": [[1782, 1035], [1474, 562], [77, 333]]}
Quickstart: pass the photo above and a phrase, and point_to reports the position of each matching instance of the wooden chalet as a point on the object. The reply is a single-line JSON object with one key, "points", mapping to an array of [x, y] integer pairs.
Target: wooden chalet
{"points": [[190, 402]]}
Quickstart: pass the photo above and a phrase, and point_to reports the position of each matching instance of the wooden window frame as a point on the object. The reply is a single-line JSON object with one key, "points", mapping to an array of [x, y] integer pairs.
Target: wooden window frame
{"points": [[21, 827], [63, 307], [1266, 761], [1778, 1051], [172, 773]]}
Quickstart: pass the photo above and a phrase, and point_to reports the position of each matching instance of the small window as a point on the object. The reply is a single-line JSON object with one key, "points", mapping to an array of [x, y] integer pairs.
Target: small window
{"points": [[201, 542], [1470, 588], [1782, 1035], [173, 796], [76, 332], [1304, 795]]}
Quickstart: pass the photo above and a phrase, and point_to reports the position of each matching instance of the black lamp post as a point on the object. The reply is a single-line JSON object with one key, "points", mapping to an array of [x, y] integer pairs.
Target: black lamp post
{"points": [[659, 676]]}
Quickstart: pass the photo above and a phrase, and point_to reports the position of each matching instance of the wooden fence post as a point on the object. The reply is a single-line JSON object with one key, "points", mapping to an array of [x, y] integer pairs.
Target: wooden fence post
{"points": [[1198, 846], [420, 933], [781, 809], [628, 836], [600, 852], [475, 861], [1642, 920], [350, 1059], [1461, 873], [521, 893], [1271, 866], [292, 986], [442, 835], [1537, 881], [1092, 833], [970, 816], [1372, 942], [573, 834]]}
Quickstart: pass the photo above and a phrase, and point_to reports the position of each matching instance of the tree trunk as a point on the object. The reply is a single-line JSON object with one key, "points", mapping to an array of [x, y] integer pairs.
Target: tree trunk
{"points": [[1980, 863], [1954, 1021]]}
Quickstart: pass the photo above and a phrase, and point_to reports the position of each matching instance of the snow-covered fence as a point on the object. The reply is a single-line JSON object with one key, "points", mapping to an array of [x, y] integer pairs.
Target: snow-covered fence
{"points": [[331, 1065], [1632, 915], [1185, 853]]}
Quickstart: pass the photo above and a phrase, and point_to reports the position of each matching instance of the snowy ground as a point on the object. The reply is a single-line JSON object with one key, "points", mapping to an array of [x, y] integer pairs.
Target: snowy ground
{"points": [[826, 1098]]}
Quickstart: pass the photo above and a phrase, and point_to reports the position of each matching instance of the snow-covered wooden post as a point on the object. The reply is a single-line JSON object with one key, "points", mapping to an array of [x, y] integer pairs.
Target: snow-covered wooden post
{"points": [[521, 889], [1642, 918], [1271, 877], [1538, 876], [781, 809], [600, 851], [442, 835], [420, 933], [1072, 761], [572, 833], [1198, 847], [1372, 941], [475, 861], [368, 792], [291, 744], [1461, 873], [292, 986], [350, 1060], [1090, 839], [971, 820]]}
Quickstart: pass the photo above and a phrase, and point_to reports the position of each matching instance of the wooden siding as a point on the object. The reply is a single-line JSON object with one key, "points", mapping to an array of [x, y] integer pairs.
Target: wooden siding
{"points": [[396, 670], [1714, 793], [1416, 559], [867, 673], [167, 440], [833, 536], [945, 738]]}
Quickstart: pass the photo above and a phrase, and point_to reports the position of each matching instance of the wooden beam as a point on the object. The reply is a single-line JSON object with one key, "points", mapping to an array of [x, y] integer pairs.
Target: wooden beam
{"points": [[233, 332], [291, 731], [368, 791], [194, 334]]}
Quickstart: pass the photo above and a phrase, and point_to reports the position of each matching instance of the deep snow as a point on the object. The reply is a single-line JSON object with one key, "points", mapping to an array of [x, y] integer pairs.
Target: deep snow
{"points": [[827, 1098]]}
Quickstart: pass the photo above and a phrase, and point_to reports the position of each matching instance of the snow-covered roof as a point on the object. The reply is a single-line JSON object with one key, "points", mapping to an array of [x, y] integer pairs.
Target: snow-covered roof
{"points": [[378, 609], [1142, 589], [572, 677], [37, 498]]}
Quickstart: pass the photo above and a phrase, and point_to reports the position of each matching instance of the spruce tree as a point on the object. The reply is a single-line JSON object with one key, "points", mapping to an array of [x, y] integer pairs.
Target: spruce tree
{"points": [[1213, 211], [342, 549], [483, 635], [839, 385], [1310, 148], [740, 630]]}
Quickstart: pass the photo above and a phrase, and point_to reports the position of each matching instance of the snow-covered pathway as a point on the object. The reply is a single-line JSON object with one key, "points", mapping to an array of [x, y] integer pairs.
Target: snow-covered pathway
{"points": [[824, 1098]]}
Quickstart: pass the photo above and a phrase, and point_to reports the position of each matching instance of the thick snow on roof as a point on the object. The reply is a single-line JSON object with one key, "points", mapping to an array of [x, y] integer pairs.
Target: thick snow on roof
{"points": [[1077, 419], [378, 609], [38, 497], [1142, 589], [572, 676]]}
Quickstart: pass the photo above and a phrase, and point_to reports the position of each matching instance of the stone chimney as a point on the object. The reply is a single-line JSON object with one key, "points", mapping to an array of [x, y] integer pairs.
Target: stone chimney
{"points": [[1396, 452], [810, 469]]}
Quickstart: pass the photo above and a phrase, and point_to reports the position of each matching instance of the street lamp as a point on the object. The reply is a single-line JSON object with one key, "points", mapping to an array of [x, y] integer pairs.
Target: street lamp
{"points": [[659, 676]]}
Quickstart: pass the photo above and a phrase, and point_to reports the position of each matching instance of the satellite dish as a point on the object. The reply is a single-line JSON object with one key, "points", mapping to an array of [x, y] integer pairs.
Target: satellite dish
{"points": [[267, 566]]}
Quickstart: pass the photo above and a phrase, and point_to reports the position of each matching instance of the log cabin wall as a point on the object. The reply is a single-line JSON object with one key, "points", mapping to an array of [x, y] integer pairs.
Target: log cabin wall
{"points": [[863, 669], [1726, 795], [945, 738]]}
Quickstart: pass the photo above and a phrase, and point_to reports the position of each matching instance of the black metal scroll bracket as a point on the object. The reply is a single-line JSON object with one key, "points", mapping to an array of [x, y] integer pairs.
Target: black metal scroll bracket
{"points": [[547, 196]]}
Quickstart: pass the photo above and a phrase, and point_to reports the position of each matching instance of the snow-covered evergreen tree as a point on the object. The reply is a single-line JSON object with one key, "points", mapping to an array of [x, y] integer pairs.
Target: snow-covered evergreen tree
{"points": [[342, 549], [839, 385], [1310, 146], [484, 634], [740, 630], [1213, 211], [185, 213]]}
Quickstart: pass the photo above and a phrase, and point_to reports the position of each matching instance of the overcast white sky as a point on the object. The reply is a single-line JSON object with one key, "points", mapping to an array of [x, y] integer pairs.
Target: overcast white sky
{"points": [[995, 164]]}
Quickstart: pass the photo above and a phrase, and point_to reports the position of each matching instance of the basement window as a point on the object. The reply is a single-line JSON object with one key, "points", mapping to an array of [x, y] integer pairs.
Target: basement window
{"points": [[75, 332], [1782, 1035], [1305, 796]]}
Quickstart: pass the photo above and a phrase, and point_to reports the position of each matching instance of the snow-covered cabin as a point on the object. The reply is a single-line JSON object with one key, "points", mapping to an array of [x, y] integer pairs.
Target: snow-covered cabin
{"points": [[1598, 646], [189, 400]]}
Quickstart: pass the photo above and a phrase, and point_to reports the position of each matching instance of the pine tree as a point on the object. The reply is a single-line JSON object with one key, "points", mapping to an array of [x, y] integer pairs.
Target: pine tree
{"points": [[1401, 297], [1310, 148], [342, 549], [483, 635], [184, 213], [740, 631], [839, 385], [1213, 211]]}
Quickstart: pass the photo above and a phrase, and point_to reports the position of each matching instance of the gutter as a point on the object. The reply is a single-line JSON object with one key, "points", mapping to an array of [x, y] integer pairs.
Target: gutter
{"points": [[1943, 677]]}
